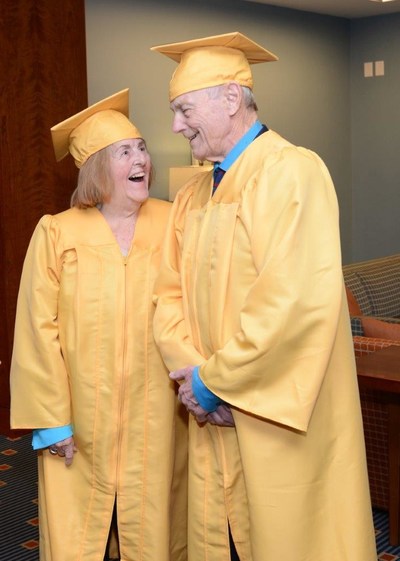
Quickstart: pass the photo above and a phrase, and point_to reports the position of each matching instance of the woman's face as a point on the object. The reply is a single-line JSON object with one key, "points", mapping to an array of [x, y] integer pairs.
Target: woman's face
{"points": [[130, 166]]}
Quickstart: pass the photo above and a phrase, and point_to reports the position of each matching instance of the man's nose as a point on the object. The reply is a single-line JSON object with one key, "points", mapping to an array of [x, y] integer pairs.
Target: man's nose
{"points": [[177, 124]]}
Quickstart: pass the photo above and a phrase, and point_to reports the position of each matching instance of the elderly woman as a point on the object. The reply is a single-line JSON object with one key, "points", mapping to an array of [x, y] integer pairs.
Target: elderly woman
{"points": [[86, 374]]}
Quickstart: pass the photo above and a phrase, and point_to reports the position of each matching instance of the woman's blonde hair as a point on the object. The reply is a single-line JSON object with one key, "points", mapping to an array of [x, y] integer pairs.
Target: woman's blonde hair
{"points": [[95, 185]]}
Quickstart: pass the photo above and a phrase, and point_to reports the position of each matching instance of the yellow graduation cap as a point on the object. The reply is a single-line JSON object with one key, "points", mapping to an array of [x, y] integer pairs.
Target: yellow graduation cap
{"points": [[94, 128], [212, 61]]}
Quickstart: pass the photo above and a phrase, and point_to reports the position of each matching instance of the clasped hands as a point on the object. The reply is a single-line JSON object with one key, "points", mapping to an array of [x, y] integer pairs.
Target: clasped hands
{"points": [[222, 416], [65, 448]]}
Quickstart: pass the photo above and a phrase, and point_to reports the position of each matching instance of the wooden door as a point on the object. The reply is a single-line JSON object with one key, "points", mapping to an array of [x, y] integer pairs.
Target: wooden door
{"points": [[43, 81]]}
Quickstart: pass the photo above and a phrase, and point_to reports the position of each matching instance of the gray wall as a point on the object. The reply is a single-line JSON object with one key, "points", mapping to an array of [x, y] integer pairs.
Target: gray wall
{"points": [[306, 96], [375, 138]]}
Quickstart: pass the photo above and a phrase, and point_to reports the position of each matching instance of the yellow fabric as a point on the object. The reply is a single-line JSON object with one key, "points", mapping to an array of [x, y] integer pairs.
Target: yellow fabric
{"points": [[207, 67], [212, 61], [251, 288], [84, 354], [94, 128], [99, 131]]}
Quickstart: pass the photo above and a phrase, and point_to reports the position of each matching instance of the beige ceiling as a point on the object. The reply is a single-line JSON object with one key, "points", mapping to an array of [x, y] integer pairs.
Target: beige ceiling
{"points": [[341, 8]]}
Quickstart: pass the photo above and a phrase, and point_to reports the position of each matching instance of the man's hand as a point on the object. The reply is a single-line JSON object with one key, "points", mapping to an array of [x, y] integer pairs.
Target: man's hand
{"points": [[65, 448], [186, 395], [222, 416]]}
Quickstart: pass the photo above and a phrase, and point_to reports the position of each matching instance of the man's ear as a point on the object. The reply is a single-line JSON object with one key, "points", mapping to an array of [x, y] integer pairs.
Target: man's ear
{"points": [[234, 96]]}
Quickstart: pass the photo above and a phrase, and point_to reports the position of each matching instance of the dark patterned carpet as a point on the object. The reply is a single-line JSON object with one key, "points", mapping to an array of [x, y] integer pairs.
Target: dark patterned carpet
{"points": [[19, 531], [18, 500]]}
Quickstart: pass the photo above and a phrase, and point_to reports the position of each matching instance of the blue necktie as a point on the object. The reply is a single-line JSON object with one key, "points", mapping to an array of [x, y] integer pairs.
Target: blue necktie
{"points": [[218, 175]]}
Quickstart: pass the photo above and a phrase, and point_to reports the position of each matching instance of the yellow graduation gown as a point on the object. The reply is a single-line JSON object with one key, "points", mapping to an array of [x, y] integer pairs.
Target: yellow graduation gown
{"points": [[251, 288], [84, 354]]}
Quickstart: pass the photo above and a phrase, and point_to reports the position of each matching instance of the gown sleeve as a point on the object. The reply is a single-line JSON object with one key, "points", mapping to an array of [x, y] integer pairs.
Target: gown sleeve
{"points": [[170, 329], [273, 366], [40, 396]]}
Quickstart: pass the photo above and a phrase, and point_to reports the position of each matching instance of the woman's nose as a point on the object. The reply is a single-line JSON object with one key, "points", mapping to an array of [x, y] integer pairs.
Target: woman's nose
{"points": [[139, 158]]}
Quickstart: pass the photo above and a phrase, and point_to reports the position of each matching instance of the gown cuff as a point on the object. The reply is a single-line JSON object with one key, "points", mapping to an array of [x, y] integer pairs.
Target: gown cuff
{"points": [[42, 438], [208, 401]]}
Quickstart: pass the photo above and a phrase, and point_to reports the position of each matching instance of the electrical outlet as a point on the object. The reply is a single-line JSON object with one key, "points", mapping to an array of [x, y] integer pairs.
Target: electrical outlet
{"points": [[379, 68], [368, 69]]}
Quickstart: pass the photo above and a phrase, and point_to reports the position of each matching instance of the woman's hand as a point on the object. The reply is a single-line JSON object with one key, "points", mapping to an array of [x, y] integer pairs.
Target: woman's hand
{"points": [[65, 449]]}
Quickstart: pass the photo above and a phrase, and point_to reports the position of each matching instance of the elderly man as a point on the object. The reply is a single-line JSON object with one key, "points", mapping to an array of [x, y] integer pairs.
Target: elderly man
{"points": [[252, 320]]}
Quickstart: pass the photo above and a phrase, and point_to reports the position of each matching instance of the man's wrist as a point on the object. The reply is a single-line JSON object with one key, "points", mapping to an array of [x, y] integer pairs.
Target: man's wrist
{"points": [[205, 397]]}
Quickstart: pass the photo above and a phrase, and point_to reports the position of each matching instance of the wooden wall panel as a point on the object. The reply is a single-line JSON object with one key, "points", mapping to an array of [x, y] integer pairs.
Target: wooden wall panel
{"points": [[43, 81]]}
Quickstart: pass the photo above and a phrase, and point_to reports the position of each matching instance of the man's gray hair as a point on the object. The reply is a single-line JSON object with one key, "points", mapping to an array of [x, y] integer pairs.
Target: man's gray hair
{"points": [[248, 95], [249, 98]]}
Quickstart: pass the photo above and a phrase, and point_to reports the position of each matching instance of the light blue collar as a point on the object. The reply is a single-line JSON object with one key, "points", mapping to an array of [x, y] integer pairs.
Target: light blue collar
{"points": [[240, 147]]}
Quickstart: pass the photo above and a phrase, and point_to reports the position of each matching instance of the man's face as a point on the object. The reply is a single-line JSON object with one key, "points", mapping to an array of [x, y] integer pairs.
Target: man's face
{"points": [[202, 117]]}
